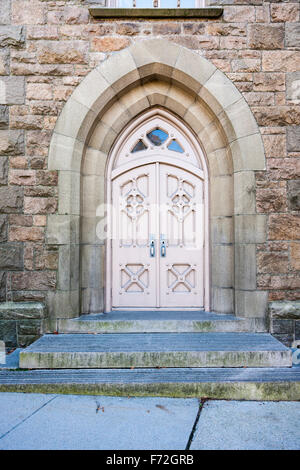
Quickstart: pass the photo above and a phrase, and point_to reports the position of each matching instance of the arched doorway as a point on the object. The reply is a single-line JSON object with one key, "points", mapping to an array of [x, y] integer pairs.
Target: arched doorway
{"points": [[156, 73], [157, 194]]}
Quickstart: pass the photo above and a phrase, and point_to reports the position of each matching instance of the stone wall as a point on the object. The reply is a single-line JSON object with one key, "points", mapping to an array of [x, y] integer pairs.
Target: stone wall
{"points": [[48, 47], [21, 323]]}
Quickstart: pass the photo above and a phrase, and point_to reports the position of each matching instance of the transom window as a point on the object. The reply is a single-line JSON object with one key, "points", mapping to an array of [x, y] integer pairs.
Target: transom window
{"points": [[157, 137], [157, 3]]}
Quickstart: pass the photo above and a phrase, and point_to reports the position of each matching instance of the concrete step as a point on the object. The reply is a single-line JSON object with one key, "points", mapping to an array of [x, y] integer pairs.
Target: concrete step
{"points": [[160, 322], [216, 383], [74, 351]]}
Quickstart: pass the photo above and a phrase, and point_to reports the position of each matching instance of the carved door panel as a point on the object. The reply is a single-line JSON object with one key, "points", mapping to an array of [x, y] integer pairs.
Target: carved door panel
{"points": [[157, 257], [181, 238], [134, 231]]}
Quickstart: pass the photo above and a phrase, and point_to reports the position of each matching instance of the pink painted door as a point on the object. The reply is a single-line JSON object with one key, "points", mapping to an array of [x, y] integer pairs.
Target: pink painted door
{"points": [[157, 246], [181, 238], [134, 232]]}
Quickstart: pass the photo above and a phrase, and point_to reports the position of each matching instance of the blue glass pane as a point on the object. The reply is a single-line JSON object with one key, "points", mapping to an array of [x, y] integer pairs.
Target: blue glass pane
{"points": [[139, 146], [187, 3], [168, 4], [124, 3], [174, 145], [144, 3], [157, 137]]}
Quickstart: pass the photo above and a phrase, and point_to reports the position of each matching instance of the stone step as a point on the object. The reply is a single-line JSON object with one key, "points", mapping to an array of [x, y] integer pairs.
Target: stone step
{"points": [[159, 322], [216, 383], [74, 351]]}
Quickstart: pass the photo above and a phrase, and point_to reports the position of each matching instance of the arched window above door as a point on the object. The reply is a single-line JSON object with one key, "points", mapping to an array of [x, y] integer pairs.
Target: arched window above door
{"points": [[157, 137], [158, 133]]}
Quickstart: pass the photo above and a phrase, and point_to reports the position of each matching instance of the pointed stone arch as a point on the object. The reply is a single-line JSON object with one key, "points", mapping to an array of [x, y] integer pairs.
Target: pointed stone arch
{"points": [[156, 73]]}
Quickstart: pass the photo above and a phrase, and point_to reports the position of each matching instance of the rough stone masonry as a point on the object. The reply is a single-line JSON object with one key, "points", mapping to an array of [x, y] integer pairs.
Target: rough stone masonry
{"points": [[46, 49]]}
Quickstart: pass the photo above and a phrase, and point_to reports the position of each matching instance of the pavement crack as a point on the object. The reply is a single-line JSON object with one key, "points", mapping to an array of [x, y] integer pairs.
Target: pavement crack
{"points": [[194, 428], [27, 417]]}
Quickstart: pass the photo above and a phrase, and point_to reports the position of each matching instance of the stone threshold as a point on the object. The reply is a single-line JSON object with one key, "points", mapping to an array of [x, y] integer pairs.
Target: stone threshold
{"points": [[216, 383], [156, 13], [159, 322]]}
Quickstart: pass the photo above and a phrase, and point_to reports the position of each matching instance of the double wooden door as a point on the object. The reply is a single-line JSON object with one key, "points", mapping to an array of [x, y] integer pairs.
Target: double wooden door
{"points": [[157, 238]]}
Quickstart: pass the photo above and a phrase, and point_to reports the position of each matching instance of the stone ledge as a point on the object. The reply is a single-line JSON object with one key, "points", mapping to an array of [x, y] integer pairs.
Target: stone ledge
{"points": [[22, 310], [100, 12], [224, 383], [285, 321], [285, 310]]}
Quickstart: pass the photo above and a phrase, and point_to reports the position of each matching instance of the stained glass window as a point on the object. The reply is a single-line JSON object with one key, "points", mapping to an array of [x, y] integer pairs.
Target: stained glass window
{"points": [[157, 137], [140, 145], [175, 146], [144, 3], [156, 3]]}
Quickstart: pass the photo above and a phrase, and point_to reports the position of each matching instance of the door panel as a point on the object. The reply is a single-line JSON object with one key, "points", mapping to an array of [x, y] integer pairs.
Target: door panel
{"points": [[181, 231], [134, 222], [158, 207]]}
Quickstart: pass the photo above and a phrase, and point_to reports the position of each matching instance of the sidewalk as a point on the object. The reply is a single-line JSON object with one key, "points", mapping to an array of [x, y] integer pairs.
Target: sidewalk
{"points": [[39, 421]]}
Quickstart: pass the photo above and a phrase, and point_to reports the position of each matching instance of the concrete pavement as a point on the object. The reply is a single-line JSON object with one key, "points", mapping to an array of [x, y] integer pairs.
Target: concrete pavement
{"points": [[249, 425], [42, 421], [37, 421]]}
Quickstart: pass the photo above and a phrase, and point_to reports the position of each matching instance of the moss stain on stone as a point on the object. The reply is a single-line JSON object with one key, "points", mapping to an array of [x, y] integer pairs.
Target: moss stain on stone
{"points": [[273, 391]]}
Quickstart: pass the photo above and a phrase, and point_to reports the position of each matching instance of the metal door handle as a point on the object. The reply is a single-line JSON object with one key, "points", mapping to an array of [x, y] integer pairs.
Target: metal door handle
{"points": [[163, 249], [152, 249]]}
